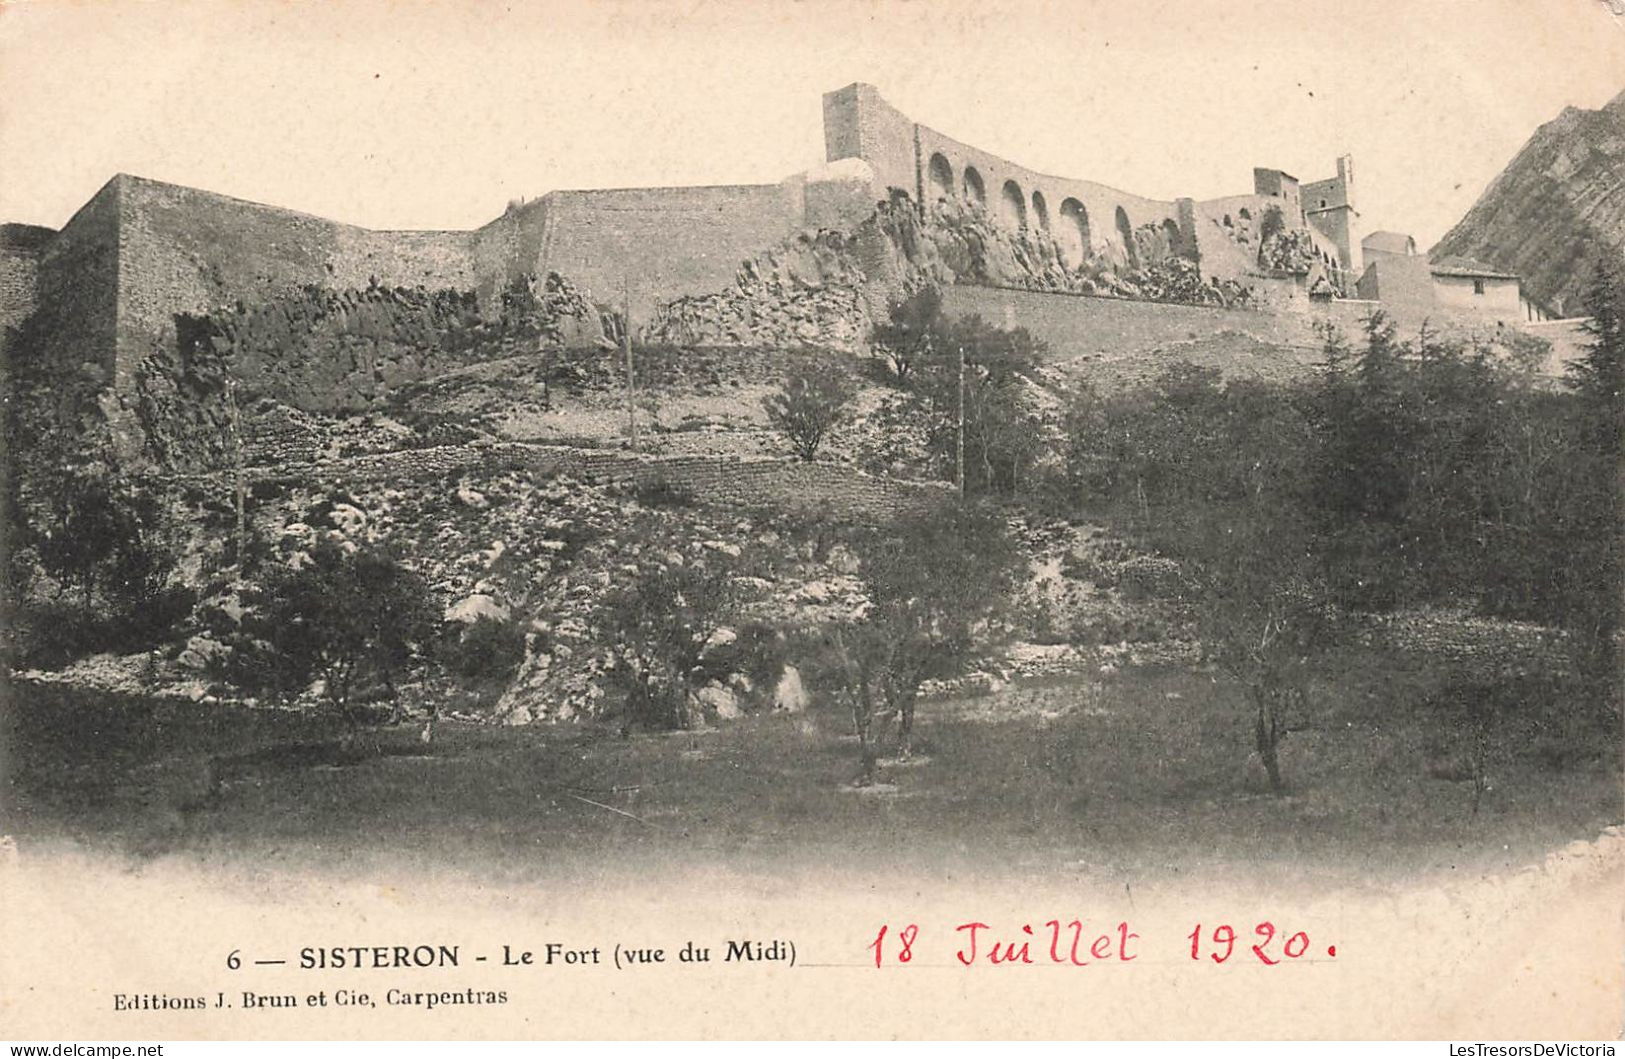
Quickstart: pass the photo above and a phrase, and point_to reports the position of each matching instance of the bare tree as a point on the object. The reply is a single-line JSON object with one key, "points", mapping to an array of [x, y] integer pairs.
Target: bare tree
{"points": [[815, 398]]}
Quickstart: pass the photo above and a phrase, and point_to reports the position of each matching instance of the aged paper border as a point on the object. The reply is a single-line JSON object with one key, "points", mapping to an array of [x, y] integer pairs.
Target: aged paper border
{"points": [[1534, 954]]}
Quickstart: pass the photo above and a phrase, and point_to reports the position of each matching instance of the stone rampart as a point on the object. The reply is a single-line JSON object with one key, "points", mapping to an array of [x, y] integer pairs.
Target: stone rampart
{"points": [[20, 248], [1088, 219], [1073, 324], [664, 243], [182, 250]]}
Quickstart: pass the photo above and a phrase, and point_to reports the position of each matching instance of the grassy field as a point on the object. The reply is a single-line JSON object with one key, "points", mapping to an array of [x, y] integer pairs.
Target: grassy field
{"points": [[1147, 771]]}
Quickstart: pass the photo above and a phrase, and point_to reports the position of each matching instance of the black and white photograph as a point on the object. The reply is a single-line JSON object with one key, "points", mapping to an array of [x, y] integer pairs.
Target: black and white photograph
{"points": [[846, 520]]}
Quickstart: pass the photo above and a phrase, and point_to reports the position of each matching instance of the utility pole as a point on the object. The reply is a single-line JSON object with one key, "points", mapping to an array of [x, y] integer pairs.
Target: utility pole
{"points": [[626, 349], [545, 366], [959, 443], [239, 483]]}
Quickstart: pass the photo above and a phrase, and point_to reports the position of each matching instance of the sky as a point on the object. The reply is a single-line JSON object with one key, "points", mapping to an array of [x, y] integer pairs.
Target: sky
{"points": [[399, 114]]}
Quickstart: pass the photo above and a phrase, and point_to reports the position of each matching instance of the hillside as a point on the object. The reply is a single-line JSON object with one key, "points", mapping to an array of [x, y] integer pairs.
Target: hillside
{"points": [[1563, 195]]}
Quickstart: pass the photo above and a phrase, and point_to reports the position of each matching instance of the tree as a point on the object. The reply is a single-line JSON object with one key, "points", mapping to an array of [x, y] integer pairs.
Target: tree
{"points": [[816, 396], [1595, 535], [1599, 375], [1002, 435], [912, 330], [344, 618], [1262, 615], [101, 533], [1216, 476], [936, 581], [657, 625]]}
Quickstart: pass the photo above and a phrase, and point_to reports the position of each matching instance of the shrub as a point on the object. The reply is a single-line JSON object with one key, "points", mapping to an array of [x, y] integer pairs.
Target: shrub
{"points": [[816, 396], [937, 581], [52, 635], [347, 618], [759, 651], [663, 493], [657, 626], [489, 649], [100, 534], [911, 331]]}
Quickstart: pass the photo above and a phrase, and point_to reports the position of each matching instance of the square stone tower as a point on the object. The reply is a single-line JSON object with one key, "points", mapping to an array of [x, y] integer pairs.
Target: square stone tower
{"points": [[1329, 206]]}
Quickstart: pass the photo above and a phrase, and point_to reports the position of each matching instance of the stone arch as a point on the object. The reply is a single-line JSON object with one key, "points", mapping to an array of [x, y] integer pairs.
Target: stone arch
{"points": [[1073, 234], [1170, 229], [1126, 230], [939, 181], [975, 190], [1041, 210], [1012, 206]]}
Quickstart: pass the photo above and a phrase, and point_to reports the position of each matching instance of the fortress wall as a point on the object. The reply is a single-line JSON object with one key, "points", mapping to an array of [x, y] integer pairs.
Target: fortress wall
{"points": [[860, 124], [433, 260], [1076, 325], [184, 250], [21, 246], [670, 242], [1100, 203], [19, 275], [76, 289], [1569, 338], [1228, 253], [1117, 328], [499, 247], [1348, 316], [1280, 292], [838, 200]]}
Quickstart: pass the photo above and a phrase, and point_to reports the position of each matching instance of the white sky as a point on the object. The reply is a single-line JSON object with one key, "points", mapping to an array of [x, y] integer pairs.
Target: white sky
{"points": [[412, 115]]}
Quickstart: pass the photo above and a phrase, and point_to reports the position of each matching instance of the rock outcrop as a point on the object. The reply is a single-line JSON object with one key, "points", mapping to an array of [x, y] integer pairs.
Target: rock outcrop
{"points": [[824, 289], [340, 351], [1556, 205]]}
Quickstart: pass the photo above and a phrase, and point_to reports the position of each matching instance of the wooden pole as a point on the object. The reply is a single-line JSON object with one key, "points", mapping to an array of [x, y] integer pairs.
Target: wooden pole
{"points": [[626, 348], [959, 443], [239, 483]]}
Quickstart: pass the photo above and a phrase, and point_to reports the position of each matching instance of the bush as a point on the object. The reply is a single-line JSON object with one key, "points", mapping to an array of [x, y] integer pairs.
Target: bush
{"points": [[938, 582], [348, 619], [663, 493], [1002, 434], [489, 649], [101, 535], [816, 396], [759, 651], [911, 332], [657, 626], [55, 634]]}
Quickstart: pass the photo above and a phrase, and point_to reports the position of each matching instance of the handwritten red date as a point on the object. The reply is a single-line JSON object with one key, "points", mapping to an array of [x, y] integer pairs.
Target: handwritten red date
{"points": [[1055, 943], [1071, 944], [1222, 944]]}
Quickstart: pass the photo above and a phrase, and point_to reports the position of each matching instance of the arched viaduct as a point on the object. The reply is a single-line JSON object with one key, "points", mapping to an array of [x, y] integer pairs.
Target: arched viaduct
{"points": [[940, 172]]}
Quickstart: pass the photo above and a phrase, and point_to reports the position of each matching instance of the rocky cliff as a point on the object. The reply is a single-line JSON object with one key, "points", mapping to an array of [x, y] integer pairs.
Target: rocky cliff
{"points": [[824, 289], [1555, 206], [338, 352]]}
